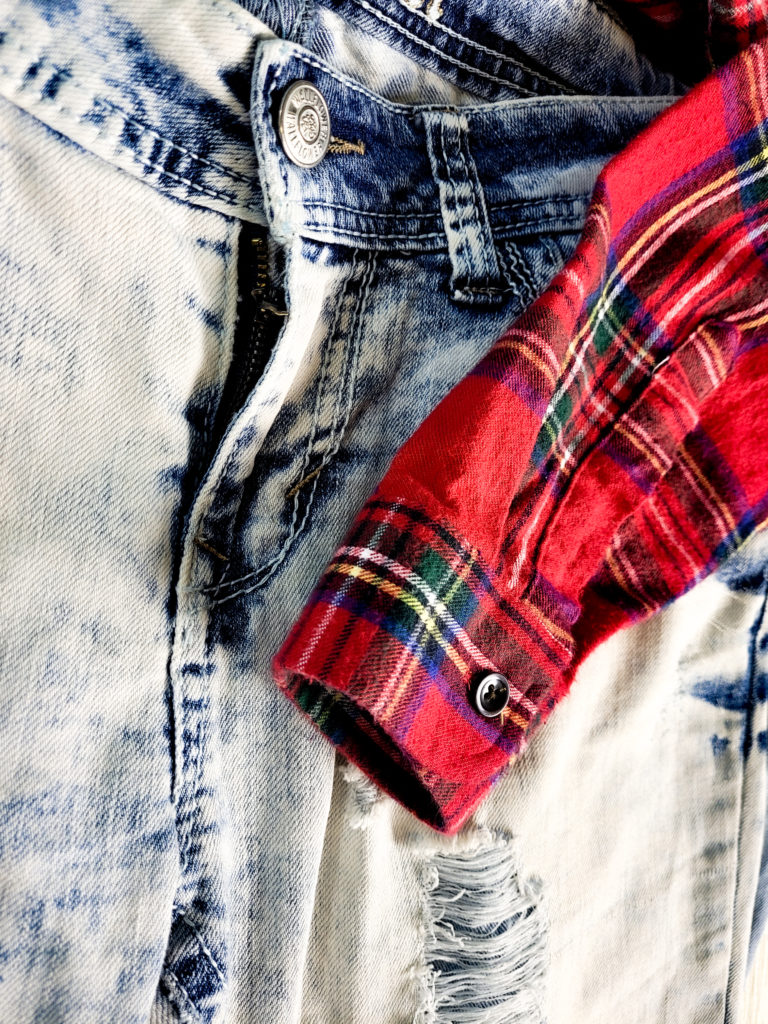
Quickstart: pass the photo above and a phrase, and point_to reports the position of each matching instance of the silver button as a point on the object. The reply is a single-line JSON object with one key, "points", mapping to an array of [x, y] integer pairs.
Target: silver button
{"points": [[305, 124], [491, 694]]}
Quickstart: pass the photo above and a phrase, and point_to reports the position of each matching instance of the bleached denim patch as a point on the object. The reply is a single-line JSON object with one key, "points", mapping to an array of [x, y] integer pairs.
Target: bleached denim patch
{"points": [[643, 811], [181, 458]]}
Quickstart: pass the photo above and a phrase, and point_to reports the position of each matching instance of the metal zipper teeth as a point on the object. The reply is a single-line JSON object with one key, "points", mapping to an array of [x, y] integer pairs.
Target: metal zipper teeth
{"points": [[258, 325]]}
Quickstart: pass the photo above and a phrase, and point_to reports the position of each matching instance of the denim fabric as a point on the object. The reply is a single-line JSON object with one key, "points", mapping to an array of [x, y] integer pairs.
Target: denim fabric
{"points": [[174, 837], [611, 875]]}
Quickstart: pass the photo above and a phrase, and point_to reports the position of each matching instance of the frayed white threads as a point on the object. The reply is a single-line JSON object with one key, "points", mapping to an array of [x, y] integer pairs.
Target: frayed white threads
{"points": [[365, 794], [484, 940]]}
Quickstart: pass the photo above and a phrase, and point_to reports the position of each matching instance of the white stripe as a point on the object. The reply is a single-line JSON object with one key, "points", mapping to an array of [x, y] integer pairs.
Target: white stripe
{"points": [[710, 277], [706, 358], [642, 258], [434, 603], [670, 536]]}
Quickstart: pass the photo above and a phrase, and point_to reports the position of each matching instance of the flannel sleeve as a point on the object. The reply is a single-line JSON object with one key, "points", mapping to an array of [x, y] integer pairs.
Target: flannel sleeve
{"points": [[604, 456]]}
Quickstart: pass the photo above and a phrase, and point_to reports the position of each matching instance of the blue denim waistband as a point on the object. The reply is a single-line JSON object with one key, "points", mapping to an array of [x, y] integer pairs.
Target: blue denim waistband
{"points": [[510, 166], [170, 104]]}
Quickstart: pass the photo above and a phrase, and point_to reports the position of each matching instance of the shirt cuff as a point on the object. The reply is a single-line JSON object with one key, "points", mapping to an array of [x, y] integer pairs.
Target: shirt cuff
{"points": [[391, 653]]}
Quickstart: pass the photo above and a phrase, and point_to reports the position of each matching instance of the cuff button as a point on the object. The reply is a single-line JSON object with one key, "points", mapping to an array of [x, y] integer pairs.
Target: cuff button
{"points": [[491, 694]]}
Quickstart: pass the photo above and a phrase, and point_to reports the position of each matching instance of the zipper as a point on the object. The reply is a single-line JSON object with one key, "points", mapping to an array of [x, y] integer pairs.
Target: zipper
{"points": [[260, 316]]}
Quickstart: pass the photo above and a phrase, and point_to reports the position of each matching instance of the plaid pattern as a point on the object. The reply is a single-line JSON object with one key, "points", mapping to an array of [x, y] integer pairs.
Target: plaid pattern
{"points": [[609, 452]]}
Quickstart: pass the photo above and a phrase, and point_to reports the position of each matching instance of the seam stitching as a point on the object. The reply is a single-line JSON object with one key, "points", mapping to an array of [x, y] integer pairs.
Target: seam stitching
{"points": [[235, 175], [172, 982], [212, 403], [354, 87], [272, 149], [372, 234], [526, 204], [41, 57], [231, 288], [327, 358], [414, 112], [563, 87], [98, 101], [334, 440], [518, 266], [479, 213], [234, 451], [472, 43], [206, 951], [448, 183], [461, 207], [333, 445], [523, 204], [191, 805]]}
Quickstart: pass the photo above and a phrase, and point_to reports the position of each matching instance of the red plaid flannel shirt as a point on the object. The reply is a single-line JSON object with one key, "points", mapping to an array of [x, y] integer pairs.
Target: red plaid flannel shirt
{"points": [[604, 456]]}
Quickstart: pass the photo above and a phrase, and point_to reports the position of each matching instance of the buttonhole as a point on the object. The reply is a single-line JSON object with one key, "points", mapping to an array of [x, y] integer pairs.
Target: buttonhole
{"points": [[203, 543], [344, 147], [300, 484]]}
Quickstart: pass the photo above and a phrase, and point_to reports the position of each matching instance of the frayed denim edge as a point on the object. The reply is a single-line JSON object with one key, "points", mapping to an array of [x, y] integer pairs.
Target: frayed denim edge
{"points": [[484, 939]]}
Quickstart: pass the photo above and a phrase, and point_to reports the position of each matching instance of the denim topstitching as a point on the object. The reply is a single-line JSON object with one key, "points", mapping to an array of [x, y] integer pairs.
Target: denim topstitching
{"points": [[196, 159], [443, 55], [732, 981], [300, 517]]}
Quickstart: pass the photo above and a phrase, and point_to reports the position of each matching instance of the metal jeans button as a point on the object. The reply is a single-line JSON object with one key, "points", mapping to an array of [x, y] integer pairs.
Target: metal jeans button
{"points": [[304, 124]]}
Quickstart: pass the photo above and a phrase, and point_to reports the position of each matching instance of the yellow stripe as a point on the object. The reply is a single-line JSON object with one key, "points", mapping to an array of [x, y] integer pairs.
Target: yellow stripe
{"points": [[461, 577], [554, 630], [603, 303], [538, 362], [517, 718], [551, 431], [623, 582], [642, 446], [754, 97], [714, 351], [557, 447], [394, 700], [726, 512], [658, 225], [632, 343], [391, 705], [407, 599], [759, 321]]}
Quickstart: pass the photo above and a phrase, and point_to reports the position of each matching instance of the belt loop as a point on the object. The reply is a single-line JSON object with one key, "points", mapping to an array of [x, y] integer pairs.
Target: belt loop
{"points": [[477, 275]]}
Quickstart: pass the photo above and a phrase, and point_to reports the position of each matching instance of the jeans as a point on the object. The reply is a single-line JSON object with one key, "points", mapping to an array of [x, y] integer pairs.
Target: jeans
{"points": [[210, 354]]}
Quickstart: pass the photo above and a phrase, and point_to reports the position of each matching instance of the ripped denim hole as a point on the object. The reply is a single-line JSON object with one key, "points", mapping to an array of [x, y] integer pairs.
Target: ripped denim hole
{"points": [[485, 939]]}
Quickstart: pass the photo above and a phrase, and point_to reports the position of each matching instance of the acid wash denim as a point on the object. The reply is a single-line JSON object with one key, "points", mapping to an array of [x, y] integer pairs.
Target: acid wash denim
{"points": [[209, 356]]}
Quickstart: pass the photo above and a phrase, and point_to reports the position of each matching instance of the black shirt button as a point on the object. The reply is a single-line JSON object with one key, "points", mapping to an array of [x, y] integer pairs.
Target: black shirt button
{"points": [[491, 694]]}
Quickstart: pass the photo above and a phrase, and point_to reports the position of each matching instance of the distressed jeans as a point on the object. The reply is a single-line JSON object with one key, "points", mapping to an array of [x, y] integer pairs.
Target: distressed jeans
{"points": [[209, 353]]}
